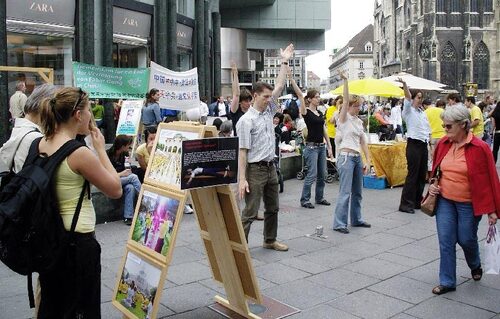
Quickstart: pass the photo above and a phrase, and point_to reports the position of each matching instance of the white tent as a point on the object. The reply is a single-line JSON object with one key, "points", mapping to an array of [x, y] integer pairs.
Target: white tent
{"points": [[415, 82], [285, 97]]}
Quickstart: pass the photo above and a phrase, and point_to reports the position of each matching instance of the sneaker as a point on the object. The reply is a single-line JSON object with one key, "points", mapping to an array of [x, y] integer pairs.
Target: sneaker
{"points": [[323, 202], [363, 224], [342, 230], [127, 221], [276, 246], [188, 209]]}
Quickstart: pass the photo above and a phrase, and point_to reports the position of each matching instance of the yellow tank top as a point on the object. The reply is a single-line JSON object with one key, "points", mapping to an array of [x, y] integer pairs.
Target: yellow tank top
{"points": [[68, 187]]}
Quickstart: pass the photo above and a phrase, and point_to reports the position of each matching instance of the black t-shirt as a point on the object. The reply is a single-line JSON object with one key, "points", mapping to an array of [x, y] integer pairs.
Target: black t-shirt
{"points": [[315, 126], [497, 123], [235, 117]]}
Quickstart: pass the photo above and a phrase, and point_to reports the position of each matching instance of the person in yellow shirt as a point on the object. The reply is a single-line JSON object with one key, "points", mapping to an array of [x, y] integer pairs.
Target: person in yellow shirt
{"points": [[433, 114], [476, 115], [330, 120]]}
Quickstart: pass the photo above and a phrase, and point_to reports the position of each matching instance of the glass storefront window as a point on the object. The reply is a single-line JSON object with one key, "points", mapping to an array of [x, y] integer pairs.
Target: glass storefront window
{"points": [[130, 56], [39, 51], [186, 8], [184, 60]]}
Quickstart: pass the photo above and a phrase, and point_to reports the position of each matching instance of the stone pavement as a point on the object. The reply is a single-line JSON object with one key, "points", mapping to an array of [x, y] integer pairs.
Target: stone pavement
{"points": [[386, 271]]}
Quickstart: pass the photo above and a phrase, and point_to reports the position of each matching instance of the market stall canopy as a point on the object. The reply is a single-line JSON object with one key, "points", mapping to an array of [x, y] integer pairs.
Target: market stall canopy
{"points": [[415, 82], [371, 87], [285, 97], [328, 95]]}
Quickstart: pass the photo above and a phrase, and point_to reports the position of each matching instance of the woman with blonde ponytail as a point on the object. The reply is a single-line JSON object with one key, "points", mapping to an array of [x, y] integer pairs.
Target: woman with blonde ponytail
{"points": [[351, 140], [74, 291]]}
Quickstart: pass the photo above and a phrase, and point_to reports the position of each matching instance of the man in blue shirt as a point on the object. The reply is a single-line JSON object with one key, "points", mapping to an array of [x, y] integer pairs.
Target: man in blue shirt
{"points": [[418, 136]]}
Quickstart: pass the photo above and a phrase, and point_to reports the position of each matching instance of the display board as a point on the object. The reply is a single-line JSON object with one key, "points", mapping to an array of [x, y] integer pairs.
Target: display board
{"points": [[130, 118], [155, 225]]}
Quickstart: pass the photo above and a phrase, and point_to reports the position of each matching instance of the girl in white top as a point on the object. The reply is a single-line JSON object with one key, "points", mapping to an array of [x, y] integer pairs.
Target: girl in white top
{"points": [[351, 141]]}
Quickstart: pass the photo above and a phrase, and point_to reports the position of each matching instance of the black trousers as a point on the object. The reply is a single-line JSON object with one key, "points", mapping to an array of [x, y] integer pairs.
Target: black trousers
{"points": [[496, 145], [416, 158], [73, 290]]}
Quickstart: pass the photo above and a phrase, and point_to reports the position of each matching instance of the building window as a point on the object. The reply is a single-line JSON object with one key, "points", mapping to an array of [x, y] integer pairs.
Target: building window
{"points": [[440, 6], [421, 7], [455, 6], [488, 5], [473, 6], [449, 66], [368, 47], [481, 66], [361, 66], [32, 50]]}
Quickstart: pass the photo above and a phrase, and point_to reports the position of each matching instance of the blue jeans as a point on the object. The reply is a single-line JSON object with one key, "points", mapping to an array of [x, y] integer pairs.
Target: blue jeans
{"points": [[315, 160], [131, 186], [456, 223], [351, 181]]}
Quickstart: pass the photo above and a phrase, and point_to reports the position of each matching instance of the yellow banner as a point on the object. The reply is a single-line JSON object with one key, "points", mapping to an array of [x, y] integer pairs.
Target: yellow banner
{"points": [[389, 161]]}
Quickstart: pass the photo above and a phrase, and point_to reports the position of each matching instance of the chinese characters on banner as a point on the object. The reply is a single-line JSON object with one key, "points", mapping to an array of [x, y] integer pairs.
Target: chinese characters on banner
{"points": [[130, 117], [178, 90], [111, 83]]}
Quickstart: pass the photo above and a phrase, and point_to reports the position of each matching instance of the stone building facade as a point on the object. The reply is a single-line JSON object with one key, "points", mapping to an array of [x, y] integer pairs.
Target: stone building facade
{"points": [[450, 41]]}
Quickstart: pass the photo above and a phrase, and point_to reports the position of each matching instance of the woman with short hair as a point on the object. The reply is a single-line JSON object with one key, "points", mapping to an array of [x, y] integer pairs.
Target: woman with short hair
{"points": [[468, 188]]}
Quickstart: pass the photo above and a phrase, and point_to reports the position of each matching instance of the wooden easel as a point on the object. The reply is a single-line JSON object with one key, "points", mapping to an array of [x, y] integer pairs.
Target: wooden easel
{"points": [[220, 229]]}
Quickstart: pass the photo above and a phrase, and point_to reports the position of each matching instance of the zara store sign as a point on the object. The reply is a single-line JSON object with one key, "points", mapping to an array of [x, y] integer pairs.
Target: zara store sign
{"points": [[61, 12]]}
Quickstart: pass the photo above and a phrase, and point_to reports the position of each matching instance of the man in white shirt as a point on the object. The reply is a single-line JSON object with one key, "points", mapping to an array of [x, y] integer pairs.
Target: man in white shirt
{"points": [[18, 100], [203, 110]]}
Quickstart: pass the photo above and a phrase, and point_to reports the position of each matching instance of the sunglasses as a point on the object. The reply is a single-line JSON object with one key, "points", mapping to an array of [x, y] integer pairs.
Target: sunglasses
{"points": [[83, 94], [447, 126]]}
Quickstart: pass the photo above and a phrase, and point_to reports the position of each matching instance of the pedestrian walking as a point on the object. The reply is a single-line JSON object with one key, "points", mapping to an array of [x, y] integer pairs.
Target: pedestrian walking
{"points": [[418, 135], [258, 178], [468, 189], [17, 101], [351, 141]]}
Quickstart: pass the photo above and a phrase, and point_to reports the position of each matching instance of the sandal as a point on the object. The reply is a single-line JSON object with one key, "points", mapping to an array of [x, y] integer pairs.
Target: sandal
{"points": [[439, 290], [477, 274]]}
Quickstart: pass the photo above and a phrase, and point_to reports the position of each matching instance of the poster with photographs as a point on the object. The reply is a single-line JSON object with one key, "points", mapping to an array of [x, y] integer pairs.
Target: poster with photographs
{"points": [[158, 213], [164, 168], [139, 287], [130, 117], [209, 162]]}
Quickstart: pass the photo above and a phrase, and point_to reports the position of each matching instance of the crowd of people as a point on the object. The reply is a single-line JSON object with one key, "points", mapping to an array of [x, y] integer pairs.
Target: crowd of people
{"points": [[456, 136]]}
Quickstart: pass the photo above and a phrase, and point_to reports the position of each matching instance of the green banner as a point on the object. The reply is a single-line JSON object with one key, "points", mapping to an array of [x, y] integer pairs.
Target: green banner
{"points": [[111, 83]]}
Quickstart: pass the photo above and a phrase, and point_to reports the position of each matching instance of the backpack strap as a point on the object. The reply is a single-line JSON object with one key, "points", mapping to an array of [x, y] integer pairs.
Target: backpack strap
{"points": [[86, 187], [12, 164]]}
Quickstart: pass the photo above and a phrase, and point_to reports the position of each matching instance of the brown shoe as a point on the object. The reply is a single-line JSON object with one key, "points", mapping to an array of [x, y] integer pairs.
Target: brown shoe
{"points": [[276, 246]]}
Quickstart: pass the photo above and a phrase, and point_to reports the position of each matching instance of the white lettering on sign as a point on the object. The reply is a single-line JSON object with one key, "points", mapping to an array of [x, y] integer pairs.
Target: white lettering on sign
{"points": [[41, 7], [131, 22]]}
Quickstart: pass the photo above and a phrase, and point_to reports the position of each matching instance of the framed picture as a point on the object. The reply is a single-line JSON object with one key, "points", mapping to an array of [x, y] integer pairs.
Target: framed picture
{"points": [[154, 227], [139, 286], [164, 167], [209, 162]]}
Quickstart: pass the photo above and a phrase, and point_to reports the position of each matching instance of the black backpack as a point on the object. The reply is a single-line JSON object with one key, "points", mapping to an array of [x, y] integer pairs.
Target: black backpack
{"points": [[32, 233], [293, 109], [8, 175]]}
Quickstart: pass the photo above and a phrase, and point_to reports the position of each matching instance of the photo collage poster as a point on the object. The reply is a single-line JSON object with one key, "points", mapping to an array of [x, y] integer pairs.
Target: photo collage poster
{"points": [[164, 168]]}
